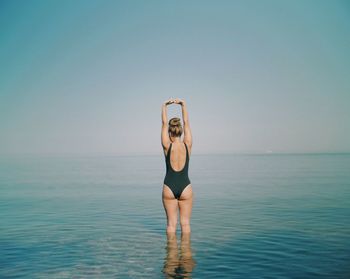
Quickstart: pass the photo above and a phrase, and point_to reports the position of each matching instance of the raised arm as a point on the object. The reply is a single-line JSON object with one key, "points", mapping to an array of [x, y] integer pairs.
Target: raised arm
{"points": [[164, 134], [187, 128]]}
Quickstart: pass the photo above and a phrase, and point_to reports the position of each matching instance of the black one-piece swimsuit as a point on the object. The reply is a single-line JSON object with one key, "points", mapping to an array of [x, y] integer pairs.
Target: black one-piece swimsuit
{"points": [[177, 181]]}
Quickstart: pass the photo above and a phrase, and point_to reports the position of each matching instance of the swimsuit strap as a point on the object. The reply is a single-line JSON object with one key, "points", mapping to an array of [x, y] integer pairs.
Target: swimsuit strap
{"points": [[168, 154]]}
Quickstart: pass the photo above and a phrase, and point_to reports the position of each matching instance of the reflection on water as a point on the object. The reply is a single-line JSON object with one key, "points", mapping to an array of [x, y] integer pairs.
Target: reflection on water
{"points": [[278, 216], [179, 262]]}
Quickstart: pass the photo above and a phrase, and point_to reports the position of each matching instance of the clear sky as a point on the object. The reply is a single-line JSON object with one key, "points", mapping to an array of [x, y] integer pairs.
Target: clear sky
{"points": [[91, 76]]}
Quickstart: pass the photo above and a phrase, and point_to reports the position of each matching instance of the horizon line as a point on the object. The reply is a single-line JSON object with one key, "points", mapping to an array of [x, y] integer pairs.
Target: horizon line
{"points": [[113, 154]]}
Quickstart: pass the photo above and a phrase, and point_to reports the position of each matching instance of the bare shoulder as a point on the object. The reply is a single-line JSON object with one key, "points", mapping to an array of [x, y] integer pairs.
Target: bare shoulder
{"points": [[189, 146], [166, 149]]}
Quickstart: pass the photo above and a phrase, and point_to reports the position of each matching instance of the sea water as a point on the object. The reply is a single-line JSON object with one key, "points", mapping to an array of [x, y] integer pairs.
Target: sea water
{"points": [[254, 216]]}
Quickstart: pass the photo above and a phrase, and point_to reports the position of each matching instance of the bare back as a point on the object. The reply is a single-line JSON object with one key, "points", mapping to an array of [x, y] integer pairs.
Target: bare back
{"points": [[178, 155]]}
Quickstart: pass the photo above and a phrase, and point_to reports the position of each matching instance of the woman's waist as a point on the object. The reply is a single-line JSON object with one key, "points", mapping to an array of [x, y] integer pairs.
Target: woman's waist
{"points": [[176, 174]]}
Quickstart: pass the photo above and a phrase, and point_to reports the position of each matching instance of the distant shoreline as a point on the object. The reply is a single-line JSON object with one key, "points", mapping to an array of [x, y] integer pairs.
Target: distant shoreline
{"points": [[159, 154]]}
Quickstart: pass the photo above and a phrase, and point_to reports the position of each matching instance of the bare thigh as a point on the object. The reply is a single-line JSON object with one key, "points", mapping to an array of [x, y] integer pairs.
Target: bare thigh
{"points": [[170, 206], [185, 205]]}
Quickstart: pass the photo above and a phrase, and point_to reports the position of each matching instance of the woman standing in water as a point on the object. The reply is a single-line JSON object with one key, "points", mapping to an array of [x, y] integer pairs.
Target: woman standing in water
{"points": [[177, 188]]}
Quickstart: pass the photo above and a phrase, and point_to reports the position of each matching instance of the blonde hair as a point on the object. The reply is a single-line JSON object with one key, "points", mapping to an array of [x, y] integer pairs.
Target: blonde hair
{"points": [[175, 127]]}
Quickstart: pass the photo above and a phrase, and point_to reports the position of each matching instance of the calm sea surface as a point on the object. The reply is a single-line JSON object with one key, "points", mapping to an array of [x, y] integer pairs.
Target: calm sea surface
{"points": [[254, 216]]}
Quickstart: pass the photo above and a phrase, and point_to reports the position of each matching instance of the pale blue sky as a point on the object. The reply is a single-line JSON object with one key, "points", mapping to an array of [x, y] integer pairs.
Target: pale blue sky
{"points": [[258, 76]]}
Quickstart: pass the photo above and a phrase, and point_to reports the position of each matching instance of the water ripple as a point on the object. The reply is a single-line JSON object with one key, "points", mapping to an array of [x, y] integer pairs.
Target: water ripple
{"points": [[253, 217]]}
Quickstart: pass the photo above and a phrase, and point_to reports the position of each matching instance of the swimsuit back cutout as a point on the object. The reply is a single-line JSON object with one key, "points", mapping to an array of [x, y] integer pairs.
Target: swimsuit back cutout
{"points": [[177, 181], [183, 168]]}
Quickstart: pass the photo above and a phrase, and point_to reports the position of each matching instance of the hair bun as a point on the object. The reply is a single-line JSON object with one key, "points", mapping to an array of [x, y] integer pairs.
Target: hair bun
{"points": [[175, 122], [175, 127]]}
